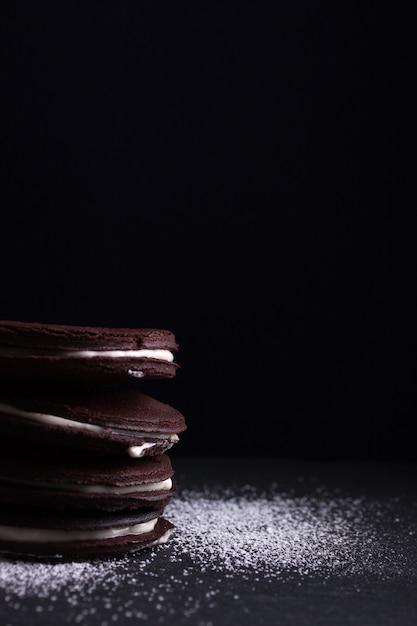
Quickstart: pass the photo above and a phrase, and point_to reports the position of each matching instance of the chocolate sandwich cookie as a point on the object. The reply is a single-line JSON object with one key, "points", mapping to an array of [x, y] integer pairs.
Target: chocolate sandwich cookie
{"points": [[42, 533], [60, 353], [114, 420], [54, 478]]}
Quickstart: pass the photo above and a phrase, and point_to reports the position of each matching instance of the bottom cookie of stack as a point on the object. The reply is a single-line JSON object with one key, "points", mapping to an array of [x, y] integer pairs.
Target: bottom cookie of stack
{"points": [[57, 507], [42, 534]]}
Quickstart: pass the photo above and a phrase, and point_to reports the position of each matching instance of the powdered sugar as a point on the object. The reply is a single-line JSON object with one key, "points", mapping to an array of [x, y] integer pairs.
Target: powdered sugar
{"points": [[271, 534], [275, 535], [44, 579]]}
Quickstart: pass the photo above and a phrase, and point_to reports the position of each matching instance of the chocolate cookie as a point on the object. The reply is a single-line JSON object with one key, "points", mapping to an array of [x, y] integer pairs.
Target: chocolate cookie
{"points": [[51, 353], [114, 420], [42, 533], [56, 479]]}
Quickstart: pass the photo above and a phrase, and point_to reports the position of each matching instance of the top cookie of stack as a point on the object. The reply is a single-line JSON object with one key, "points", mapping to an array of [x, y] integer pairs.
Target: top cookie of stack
{"points": [[78, 435], [45, 353]]}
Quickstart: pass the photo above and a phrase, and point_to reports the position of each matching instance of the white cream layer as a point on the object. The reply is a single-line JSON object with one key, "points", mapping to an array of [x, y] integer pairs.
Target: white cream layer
{"points": [[157, 354], [137, 451], [160, 355], [55, 420], [51, 420], [163, 485], [39, 535]]}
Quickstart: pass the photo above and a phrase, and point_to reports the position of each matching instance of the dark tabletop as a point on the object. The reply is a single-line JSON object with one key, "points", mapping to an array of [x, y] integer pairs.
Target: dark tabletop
{"points": [[258, 540]]}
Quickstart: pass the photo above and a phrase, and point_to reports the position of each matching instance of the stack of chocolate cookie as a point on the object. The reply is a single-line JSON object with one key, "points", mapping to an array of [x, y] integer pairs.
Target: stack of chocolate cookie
{"points": [[84, 469]]}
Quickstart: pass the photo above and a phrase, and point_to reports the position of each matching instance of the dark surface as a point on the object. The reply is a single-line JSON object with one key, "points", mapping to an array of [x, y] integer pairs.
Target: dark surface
{"points": [[178, 592]]}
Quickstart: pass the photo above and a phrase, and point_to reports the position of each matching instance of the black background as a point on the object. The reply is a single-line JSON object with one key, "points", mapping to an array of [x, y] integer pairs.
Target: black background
{"points": [[226, 171]]}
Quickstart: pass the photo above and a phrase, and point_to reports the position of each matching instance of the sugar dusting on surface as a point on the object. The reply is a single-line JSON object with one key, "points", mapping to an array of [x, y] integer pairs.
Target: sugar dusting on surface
{"points": [[276, 535], [222, 536]]}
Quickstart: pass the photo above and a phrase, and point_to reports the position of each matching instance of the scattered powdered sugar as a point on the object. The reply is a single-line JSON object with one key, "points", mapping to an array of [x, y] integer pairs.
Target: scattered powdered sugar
{"points": [[270, 534], [274, 534], [42, 580], [224, 536]]}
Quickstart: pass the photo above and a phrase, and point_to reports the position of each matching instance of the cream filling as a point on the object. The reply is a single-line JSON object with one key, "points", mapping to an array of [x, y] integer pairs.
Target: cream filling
{"points": [[40, 535], [145, 353], [160, 355], [55, 420], [51, 420], [157, 354], [163, 485], [135, 373], [137, 451]]}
